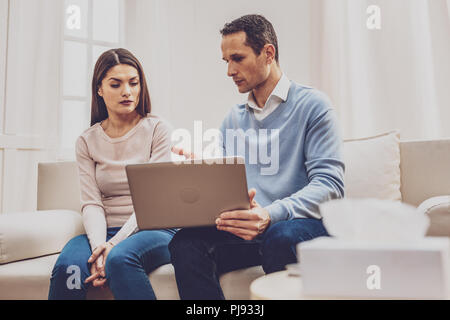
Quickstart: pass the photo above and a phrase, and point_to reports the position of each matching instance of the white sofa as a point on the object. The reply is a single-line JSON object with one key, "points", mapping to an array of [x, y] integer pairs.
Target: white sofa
{"points": [[30, 242]]}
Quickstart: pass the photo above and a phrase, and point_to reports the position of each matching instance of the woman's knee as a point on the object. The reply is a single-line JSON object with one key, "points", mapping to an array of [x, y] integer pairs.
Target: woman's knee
{"points": [[114, 260], [74, 256]]}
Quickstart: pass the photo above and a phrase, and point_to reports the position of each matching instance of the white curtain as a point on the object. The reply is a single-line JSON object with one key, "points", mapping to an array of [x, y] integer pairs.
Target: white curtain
{"points": [[395, 77], [31, 103]]}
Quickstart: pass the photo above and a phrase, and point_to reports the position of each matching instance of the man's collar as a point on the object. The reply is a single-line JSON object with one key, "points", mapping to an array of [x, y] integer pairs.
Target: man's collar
{"points": [[281, 91]]}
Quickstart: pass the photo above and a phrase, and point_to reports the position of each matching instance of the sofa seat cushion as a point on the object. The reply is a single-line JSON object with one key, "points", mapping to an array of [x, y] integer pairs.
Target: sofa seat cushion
{"points": [[27, 279], [30, 280], [236, 284], [33, 234]]}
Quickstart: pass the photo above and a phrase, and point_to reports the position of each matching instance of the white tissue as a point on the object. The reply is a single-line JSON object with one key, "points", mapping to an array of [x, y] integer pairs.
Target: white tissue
{"points": [[373, 221]]}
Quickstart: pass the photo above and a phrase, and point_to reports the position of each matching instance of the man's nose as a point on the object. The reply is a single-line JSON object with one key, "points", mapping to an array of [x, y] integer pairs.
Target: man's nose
{"points": [[231, 70]]}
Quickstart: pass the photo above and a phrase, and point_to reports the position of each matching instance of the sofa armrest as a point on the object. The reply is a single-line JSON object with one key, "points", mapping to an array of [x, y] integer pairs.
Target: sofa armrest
{"points": [[33, 234], [438, 209]]}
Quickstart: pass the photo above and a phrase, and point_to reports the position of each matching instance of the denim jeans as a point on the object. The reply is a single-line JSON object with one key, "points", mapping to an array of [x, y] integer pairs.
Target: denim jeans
{"points": [[201, 255], [127, 265]]}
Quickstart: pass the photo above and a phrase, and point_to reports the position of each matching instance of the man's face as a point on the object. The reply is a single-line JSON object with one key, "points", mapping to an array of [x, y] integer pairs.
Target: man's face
{"points": [[247, 70]]}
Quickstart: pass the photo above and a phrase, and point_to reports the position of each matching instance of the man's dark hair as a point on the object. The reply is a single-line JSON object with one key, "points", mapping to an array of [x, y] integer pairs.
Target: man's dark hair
{"points": [[258, 29]]}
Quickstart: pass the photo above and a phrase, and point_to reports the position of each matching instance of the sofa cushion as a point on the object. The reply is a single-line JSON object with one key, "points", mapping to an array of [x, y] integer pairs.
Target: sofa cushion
{"points": [[33, 234], [372, 167], [236, 284], [30, 279], [438, 209], [27, 279]]}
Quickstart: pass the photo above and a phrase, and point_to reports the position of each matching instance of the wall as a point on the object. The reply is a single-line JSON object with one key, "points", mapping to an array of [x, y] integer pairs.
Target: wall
{"points": [[178, 42]]}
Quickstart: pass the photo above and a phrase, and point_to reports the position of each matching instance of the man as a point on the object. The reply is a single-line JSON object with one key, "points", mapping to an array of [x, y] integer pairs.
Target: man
{"points": [[284, 204]]}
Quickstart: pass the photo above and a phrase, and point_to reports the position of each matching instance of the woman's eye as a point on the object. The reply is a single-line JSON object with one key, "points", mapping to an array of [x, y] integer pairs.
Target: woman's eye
{"points": [[134, 83], [115, 85]]}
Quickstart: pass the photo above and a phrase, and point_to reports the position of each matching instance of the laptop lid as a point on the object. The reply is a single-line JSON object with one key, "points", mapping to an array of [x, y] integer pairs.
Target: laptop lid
{"points": [[187, 194]]}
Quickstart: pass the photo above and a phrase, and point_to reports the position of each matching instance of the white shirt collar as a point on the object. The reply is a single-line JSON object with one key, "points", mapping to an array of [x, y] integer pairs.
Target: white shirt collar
{"points": [[280, 91]]}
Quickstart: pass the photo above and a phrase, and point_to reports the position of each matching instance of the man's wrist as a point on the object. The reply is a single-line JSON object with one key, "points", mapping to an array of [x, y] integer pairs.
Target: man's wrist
{"points": [[276, 212]]}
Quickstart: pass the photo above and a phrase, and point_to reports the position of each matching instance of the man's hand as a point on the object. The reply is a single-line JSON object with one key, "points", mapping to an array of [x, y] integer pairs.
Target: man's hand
{"points": [[98, 260], [246, 224], [181, 152]]}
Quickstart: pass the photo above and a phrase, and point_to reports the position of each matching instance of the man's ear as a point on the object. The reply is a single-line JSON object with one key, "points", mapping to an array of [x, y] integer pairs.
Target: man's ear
{"points": [[269, 49]]}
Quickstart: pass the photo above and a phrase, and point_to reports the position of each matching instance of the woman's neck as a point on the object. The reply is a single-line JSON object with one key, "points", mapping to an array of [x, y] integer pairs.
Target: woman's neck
{"points": [[116, 126]]}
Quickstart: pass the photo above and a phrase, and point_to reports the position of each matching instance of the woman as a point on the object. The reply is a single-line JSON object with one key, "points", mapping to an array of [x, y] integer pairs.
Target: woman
{"points": [[122, 131]]}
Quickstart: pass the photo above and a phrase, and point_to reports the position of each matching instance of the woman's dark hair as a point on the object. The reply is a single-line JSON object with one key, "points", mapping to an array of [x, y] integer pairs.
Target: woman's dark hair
{"points": [[105, 62], [258, 29]]}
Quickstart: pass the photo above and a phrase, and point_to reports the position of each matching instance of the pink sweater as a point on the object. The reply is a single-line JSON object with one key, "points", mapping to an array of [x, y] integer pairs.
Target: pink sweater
{"points": [[105, 195]]}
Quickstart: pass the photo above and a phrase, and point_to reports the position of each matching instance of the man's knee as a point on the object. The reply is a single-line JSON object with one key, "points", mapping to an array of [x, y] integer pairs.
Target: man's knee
{"points": [[181, 244], [281, 239], [278, 237], [294, 231], [190, 243]]}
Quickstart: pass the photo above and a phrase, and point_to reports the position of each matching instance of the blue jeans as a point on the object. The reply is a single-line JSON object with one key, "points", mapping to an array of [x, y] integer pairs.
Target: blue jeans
{"points": [[201, 255], [127, 265]]}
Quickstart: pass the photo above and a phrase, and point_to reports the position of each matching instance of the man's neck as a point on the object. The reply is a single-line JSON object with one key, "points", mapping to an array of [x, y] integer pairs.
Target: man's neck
{"points": [[263, 91]]}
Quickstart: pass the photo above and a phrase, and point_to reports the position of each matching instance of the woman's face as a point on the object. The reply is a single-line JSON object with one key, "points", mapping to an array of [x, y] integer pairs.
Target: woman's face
{"points": [[120, 89]]}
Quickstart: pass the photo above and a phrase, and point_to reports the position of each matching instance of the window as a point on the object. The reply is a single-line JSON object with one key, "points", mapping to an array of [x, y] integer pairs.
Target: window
{"points": [[90, 28]]}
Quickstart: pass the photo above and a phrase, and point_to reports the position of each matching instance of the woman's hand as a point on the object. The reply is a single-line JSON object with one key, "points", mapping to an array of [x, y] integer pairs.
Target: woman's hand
{"points": [[96, 274], [98, 260]]}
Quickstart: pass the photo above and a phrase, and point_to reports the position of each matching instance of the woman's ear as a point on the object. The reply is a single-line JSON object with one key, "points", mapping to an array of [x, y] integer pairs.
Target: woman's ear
{"points": [[100, 92]]}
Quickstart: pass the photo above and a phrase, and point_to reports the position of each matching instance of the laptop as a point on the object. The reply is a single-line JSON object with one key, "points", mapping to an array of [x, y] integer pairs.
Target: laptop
{"points": [[191, 193]]}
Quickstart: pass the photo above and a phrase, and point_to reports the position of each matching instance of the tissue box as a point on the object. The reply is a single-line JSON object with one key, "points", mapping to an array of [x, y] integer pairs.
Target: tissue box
{"points": [[336, 268]]}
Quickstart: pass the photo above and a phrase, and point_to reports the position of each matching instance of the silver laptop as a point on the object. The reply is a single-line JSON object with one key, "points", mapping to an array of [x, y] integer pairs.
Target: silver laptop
{"points": [[187, 194]]}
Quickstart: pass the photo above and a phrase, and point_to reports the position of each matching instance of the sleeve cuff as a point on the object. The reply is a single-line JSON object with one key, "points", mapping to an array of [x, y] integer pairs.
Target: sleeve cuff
{"points": [[277, 212]]}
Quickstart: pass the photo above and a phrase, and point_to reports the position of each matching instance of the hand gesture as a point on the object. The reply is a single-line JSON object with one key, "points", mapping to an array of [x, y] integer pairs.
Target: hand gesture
{"points": [[98, 260], [182, 152]]}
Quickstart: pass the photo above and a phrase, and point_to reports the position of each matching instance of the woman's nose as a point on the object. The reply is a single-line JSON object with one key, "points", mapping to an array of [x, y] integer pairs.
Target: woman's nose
{"points": [[126, 91]]}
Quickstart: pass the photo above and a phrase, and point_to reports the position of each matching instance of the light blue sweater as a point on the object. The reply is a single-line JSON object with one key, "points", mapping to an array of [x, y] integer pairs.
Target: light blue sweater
{"points": [[292, 157]]}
